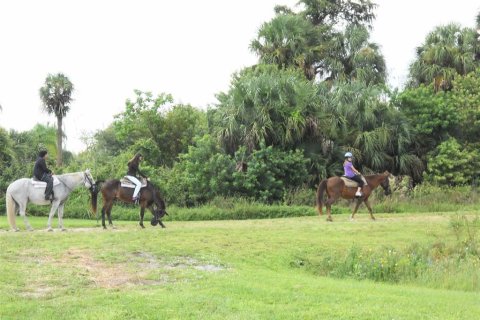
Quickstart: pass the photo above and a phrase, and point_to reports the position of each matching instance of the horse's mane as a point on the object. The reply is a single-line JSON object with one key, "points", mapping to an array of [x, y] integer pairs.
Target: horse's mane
{"points": [[157, 198]]}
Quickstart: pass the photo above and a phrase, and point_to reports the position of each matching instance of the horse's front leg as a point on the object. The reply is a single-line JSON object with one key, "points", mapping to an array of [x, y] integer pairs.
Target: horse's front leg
{"points": [[103, 218], [359, 201], [54, 208], [161, 223], [369, 209], [142, 213]]}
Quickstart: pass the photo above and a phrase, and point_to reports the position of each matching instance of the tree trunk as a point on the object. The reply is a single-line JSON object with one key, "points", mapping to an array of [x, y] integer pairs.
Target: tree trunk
{"points": [[59, 141]]}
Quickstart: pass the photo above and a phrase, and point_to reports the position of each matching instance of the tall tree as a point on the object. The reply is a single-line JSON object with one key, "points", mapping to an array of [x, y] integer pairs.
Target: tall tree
{"points": [[328, 39], [157, 127], [448, 51], [379, 135], [56, 96], [264, 104]]}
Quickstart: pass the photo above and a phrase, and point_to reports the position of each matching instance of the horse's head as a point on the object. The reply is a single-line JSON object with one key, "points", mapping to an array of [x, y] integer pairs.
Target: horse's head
{"points": [[386, 183], [88, 181], [159, 210], [158, 214]]}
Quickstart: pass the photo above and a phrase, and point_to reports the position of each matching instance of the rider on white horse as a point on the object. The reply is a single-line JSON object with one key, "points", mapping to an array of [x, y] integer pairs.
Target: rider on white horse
{"points": [[42, 173]]}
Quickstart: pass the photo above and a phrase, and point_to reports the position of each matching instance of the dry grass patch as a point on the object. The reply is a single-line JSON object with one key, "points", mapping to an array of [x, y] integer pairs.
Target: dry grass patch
{"points": [[139, 268]]}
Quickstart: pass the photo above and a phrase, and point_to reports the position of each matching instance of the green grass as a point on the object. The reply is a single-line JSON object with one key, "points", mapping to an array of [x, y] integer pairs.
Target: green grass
{"points": [[249, 269]]}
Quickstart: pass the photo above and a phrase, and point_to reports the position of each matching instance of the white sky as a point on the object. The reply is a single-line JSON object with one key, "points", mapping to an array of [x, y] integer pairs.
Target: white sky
{"points": [[184, 47]]}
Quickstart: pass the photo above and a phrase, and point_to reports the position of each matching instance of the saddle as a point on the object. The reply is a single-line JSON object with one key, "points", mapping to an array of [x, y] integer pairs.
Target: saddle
{"points": [[126, 183], [42, 184], [352, 183]]}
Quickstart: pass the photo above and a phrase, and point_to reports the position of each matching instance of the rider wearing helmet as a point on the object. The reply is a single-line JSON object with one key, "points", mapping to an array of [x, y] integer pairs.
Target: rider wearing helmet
{"points": [[352, 173]]}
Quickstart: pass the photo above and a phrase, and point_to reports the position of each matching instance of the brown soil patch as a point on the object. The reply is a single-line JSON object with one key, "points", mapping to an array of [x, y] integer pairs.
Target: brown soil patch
{"points": [[101, 274]]}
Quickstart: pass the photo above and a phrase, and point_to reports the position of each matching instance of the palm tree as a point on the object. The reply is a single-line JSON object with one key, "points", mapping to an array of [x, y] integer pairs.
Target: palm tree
{"points": [[448, 51], [378, 134], [353, 57], [56, 98], [288, 40], [271, 106], [317, 42]]}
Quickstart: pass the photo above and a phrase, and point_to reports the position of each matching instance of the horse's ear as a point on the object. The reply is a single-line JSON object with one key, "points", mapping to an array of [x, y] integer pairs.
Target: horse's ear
{"points": [[386, 173]]}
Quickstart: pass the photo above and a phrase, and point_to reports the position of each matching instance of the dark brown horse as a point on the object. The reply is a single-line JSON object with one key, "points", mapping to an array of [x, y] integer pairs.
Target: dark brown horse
{"points": [[149, 198], [335, 188]]}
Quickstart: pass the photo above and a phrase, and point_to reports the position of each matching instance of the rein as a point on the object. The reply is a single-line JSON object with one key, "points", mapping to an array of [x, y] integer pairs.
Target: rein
{"points": [[85, 179]]}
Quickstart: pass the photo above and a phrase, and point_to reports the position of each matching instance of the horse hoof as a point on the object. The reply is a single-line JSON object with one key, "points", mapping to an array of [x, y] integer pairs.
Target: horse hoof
{"points": [[63, 229], [50, 230], [329, 219], [16, 230]]}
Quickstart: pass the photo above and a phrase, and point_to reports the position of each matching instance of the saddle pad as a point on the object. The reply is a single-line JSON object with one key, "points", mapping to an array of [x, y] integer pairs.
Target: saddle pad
{"points": [[351, 183], [125, 182], [41, 184]]}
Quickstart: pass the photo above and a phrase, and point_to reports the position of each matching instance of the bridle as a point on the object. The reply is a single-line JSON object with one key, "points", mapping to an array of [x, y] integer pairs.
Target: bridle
{"points": [[86, 178]]}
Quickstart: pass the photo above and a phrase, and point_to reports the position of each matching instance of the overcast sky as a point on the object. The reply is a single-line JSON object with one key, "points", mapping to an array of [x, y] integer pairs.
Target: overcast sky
{"points": [[184, 47]]}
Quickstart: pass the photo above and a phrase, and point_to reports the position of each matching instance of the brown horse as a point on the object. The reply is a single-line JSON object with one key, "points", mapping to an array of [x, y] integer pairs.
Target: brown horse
{"points": [[335, 188], [149, 198]]}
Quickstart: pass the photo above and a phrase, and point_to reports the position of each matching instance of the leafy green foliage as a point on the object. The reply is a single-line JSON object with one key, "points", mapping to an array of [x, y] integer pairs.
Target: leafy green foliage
{"points": [[159, 131], [432, 114], [326, 40], [465, 98], [200, 174], [271, 173], [452, 165], [448, 51], [265, 104]]}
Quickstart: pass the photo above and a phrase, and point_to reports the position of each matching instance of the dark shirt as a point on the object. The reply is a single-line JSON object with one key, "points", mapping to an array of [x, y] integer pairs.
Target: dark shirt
{"points": [[40, 168], [133, 169]]}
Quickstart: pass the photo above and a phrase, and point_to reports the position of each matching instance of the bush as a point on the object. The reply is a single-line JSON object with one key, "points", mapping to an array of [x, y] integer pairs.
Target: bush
{"points": [[271, 173]]}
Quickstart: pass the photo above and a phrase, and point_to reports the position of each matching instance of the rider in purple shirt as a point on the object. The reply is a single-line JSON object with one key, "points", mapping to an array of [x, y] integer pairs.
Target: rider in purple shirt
{"points": [[352, 173]]}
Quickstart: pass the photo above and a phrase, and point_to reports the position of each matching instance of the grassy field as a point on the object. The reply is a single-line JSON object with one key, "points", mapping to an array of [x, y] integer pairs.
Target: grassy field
{"points": [[249, 269]]}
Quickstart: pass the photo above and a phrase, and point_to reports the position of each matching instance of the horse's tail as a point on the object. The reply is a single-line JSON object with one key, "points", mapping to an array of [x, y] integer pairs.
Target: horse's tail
{"points": [[11, 210], [94, 192], [320, 191]]}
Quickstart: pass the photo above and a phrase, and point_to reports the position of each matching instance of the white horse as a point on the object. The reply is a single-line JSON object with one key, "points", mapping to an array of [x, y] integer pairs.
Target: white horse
{"points": [[25, 190]]}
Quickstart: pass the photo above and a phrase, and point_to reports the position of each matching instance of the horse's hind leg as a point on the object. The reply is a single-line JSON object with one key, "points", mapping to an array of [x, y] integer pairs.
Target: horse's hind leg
{"points": [[109, 215], [21, 209], [328, 204], [107, 207]]}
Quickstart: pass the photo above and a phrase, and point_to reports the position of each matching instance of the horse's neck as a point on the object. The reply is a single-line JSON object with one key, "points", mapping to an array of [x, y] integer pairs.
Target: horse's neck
{"points": [[72, 180], [374, 180], [156, 197]]}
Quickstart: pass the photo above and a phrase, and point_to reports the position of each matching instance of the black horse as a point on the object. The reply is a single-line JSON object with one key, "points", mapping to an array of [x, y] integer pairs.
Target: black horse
{"points": [[149, 198]]}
